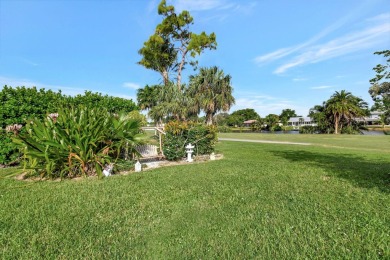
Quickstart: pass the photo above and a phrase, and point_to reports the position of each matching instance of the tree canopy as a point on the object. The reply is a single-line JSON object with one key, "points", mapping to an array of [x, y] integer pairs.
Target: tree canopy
{"points": [[173, 44], [380, 85], [212, 91], [340, 110], [286, 115], [239, 116]]}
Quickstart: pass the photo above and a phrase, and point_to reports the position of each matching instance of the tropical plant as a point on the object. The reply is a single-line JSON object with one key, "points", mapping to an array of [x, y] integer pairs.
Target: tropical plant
{"points": [[272, 121], [21, 104], [212, 91], [343, 105], [319, 116], [76, 141], [148, 97]]}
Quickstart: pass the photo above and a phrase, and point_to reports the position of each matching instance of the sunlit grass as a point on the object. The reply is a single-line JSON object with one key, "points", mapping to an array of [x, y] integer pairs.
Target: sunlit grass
{"points": [[361, 142], [260, 201]]}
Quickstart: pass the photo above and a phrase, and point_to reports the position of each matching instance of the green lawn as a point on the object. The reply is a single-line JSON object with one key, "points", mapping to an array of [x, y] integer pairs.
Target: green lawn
{"points": [[260, 201], [379, 143]]}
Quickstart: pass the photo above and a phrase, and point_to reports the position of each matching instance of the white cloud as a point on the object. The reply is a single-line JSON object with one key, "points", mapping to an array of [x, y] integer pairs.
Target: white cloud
{"points": [[350, 43], [374, 31], [198, 5], [321, 87], [221, 9], [280, 53], [206, 5], [299, 79], [265, 104], [131, 85], [380, 17], [275, 55]]}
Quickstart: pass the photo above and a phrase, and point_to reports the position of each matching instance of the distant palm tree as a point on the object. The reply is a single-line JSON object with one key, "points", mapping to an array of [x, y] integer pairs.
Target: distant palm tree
{"points": [[343, 105], [147, 97], [212, 92]]}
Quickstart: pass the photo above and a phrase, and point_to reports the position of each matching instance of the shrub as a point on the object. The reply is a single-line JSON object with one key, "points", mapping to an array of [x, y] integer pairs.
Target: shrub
{"points": [[9, 152], [179, 134], [275, 128], [76, 142], [21, 104], [308, 129], [224, 129]]}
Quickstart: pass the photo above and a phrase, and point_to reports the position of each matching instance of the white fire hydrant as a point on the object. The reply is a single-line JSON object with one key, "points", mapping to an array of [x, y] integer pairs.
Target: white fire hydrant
{"points": [[189, 150]]}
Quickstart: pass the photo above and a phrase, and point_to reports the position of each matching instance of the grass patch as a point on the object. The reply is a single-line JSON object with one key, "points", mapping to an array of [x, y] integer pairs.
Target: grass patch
{"points": [[358, 142], [261, 201]]}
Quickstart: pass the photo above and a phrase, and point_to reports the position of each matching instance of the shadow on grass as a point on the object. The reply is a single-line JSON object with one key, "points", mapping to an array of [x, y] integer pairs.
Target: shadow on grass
{"points": [[357, 169]]}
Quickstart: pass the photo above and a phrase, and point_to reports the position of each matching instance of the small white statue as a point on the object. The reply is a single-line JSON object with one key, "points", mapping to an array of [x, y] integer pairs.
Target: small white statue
{"points": [[138, 166]]}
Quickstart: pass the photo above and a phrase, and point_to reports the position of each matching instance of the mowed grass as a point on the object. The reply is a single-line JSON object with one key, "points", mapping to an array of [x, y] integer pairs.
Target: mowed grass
{"points": [[261, 201], [380, 143]]}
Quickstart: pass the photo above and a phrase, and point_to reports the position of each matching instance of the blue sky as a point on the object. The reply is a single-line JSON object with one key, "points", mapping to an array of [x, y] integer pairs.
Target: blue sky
{"points": [[280, 53]]}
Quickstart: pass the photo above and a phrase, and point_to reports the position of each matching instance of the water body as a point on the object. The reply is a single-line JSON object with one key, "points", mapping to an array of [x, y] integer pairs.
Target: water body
{"points": [[280, 132], [373, 132]]}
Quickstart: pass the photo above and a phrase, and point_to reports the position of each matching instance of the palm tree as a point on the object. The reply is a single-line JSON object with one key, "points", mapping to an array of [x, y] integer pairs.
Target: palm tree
{"points": [[147, 97], [212, 92], [343, 105]]}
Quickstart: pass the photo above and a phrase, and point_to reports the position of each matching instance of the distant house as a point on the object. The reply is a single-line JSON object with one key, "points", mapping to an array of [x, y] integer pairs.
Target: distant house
{"points": [[299, 121], [373, 119], [248, 123]]}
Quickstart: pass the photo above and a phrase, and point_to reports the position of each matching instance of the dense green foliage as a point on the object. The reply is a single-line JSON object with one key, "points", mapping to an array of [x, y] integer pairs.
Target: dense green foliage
{"points": [[21, 104], [209, 91], [237, 118], [148, 96], [97, 100], [9, 152], [272, 121], [262, 201], [380, 87], [180, 134], [76, 142], [308, 129], [340, 111], [286, 115]]}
